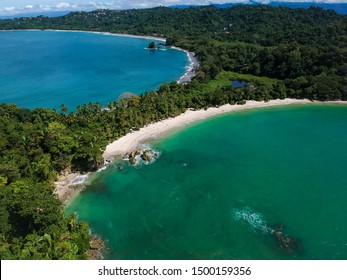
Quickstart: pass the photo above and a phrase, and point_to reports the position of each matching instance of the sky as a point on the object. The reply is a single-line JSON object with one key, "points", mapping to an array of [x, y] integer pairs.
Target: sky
{"points": [[11, 7]]}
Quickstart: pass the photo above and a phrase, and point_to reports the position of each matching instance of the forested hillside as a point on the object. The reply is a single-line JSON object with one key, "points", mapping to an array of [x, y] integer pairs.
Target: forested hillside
{"points": [[279, 52]]}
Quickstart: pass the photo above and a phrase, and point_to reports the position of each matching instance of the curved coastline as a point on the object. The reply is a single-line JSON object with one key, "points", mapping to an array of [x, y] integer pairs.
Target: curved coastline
{"points": [[66, 191], [191, 69], [107, 33], [186, 126], [156, 130], [193, 61], [65, 186], [185, 78], [96, 32]]}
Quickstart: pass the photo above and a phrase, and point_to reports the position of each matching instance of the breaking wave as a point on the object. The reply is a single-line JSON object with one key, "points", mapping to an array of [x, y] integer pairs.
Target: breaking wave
{"points": [[79, 180], [254, 219]]}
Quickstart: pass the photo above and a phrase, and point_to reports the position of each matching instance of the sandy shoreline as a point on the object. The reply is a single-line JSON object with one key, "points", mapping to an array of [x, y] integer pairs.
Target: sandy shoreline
{"points": [[69, 184], [162, 39], [96, 32], [156, 130], [193, 65]]}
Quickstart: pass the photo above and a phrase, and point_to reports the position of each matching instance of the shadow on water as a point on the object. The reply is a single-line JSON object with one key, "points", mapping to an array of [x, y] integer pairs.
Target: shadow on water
{"points": [[97, 186]]}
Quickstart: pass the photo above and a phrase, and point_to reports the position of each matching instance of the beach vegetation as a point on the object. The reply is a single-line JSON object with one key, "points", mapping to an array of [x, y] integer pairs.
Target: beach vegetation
{"points": [[3, 181], [63, 108]]}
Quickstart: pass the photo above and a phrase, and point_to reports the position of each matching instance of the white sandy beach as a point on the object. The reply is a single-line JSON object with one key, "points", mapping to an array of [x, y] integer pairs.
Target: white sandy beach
{"points": [[132, 140], [67, 185], [162, 39]]}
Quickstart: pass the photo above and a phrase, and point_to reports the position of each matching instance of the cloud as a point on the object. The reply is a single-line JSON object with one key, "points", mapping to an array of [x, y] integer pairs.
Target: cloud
{"points": [[65, 5], [9, 9]]}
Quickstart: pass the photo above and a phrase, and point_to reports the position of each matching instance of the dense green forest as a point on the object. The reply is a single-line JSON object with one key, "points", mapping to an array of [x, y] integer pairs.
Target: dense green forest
{"points": [[279, 52]]}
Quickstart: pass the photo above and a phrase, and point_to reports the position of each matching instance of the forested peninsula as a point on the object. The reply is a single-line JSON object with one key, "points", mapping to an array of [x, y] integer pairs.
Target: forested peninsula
{"points": [[278, 52]]}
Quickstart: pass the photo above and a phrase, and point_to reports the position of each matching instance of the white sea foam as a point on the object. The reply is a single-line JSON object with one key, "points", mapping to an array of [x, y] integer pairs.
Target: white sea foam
{"points": [[147, 49], [253, 218], [79, 180], [190, 68], [102, 168]]}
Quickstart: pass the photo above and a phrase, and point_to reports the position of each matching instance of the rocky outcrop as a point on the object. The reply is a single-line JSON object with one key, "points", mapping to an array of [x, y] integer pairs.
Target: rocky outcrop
{"points": [[96, 249], [289, 245], [145, 155]]}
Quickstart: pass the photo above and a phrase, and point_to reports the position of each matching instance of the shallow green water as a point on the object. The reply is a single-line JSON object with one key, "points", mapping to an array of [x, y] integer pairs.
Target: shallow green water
{"points": [[220, 186]]}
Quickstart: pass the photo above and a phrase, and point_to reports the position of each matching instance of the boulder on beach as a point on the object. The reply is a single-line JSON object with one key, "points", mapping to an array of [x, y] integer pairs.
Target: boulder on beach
{"points": [[132, 160], [146, 157]]}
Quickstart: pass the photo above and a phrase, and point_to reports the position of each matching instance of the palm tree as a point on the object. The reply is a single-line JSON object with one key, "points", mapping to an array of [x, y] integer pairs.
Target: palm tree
{"points": [[79, 109], [63, 108], [111, 105]]}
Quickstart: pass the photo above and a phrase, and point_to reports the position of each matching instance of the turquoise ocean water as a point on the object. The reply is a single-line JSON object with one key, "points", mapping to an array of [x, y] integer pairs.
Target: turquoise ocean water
{"points": [[48, 68], [220, 187]]}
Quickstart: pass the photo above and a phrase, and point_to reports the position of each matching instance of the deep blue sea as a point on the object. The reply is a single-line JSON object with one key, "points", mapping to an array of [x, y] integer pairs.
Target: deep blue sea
{"points": [[50, 68]]}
